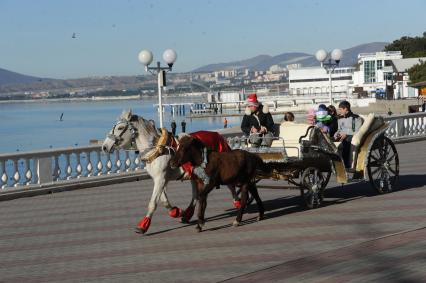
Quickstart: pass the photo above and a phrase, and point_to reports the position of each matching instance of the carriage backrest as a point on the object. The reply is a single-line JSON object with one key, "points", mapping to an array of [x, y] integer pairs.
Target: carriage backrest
{"points": [[290, 132], [370, 124]]}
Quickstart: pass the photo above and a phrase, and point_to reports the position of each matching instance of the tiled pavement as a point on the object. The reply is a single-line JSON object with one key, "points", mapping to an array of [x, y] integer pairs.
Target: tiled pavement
{"points": [[87, 235]]}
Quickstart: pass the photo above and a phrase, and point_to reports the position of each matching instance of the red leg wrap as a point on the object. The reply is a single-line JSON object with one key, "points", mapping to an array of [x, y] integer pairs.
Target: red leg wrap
{"points": [[144, 223], [175, 212], [237, 204]]}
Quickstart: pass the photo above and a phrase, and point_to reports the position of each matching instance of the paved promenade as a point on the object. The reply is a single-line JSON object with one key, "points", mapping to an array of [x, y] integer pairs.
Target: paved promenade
{"points": [[87, 235]]}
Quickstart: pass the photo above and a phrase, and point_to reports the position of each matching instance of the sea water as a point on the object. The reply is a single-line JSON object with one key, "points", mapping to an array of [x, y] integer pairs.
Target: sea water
{"points": [[26, 126]]}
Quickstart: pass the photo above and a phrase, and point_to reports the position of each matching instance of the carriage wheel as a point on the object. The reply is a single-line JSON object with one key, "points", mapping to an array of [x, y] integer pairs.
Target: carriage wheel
{"points": [[313, 183], [383, 165], [327, 176]]}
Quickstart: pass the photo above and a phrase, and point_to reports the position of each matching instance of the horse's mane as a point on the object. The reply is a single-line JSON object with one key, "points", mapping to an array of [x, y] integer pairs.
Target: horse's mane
{"points": [[146, 128]]}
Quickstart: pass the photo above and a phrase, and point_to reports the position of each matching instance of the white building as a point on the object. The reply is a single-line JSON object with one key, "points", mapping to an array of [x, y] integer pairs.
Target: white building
{"points": [[230, 96], [401, 79], [315, 80], [385, 72], [276, 69], [225, 74], [373, 68]]}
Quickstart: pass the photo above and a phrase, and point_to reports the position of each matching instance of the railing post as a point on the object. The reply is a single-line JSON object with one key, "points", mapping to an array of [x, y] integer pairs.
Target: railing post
{"points": [[400, 127], [16, 176], [4, 177], [27, 172], [44, 170]]}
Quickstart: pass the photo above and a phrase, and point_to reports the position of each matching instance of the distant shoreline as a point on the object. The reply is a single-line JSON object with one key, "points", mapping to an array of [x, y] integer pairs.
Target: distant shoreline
{"points": [[94, 98]]}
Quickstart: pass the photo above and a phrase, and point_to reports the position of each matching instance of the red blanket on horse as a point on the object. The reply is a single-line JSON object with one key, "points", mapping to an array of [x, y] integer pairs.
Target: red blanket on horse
{"points": [[213, 141]]}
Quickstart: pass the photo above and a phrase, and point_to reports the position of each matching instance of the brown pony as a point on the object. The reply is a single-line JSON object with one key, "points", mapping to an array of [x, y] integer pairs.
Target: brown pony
{"points": [[237, 167]]}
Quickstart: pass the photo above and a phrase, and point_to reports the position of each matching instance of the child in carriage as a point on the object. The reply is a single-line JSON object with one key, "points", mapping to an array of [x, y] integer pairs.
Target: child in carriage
{"points": [[323, 120]]}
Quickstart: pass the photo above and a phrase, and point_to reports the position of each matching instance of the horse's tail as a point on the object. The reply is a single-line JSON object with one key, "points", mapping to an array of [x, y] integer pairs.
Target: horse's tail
{"points": [[261, 166]]}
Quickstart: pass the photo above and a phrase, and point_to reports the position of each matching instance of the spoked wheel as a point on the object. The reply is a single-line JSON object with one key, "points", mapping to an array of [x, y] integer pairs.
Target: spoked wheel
{"points": [[327, 176], [383, 165], [313, 183]]}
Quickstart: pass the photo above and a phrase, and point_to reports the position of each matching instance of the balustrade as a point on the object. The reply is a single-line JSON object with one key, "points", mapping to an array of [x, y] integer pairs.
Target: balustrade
{"points": [[24, 169], [41, 167], [407, 126]]}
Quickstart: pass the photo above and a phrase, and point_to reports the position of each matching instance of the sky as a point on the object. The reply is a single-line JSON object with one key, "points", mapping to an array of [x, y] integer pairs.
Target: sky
{"points": [[36, 36]]}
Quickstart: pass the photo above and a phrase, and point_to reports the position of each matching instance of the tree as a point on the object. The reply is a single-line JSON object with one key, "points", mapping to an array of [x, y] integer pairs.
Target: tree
{"points": [[410, 47], [417, 73]]}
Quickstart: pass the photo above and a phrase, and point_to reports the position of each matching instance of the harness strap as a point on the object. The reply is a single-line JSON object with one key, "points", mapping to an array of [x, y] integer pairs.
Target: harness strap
{"points": [[162, 144]]}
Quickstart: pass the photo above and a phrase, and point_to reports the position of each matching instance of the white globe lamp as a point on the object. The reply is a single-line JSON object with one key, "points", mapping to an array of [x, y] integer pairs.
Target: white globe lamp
{"points": [[321, 55], [336, 55], [145, 57], [170, 57]]}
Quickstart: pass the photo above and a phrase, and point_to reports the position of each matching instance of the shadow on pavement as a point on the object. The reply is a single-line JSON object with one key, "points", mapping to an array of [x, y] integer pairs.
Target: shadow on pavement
{"points": [[293, 204]]}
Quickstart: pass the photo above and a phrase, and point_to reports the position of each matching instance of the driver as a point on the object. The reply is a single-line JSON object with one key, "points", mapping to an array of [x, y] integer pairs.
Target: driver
{"points": [[257, 122]]}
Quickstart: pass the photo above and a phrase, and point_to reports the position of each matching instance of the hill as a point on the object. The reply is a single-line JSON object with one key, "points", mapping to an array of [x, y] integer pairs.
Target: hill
{"points": [[264, 62], [9, 77]]}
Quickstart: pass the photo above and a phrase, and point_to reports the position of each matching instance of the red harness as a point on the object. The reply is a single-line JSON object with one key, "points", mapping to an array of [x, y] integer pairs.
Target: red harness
{"points": [[213, 141]]}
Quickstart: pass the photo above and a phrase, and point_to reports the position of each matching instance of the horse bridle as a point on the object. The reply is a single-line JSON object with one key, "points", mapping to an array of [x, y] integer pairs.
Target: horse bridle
{"points": [[119, 138]]}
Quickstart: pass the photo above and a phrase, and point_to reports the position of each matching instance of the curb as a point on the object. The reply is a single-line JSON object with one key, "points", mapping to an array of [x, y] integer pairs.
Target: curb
{"points": [[70, 185]]}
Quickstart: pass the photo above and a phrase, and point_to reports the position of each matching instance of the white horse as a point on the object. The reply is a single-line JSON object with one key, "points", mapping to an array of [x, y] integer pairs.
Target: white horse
{"points": [[132, 132]]}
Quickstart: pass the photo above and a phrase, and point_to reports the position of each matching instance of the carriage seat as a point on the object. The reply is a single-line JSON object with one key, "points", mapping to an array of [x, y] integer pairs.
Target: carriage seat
{"points": [[370, 124], [290, 132]]}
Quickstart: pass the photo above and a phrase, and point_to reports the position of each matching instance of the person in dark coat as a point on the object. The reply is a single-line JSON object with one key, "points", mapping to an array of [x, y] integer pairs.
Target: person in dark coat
{"points": [[257, 122], [334, 117], [173, 126], [183, 124]]}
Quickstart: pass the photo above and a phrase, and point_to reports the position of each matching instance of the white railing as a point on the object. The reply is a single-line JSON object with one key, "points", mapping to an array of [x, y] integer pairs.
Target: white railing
{"points": [[407, 127], [22, 170], [40, 167]]}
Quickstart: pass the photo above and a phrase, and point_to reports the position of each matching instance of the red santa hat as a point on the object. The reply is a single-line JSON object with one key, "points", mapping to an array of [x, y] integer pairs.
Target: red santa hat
{"points": [[252, 100]]}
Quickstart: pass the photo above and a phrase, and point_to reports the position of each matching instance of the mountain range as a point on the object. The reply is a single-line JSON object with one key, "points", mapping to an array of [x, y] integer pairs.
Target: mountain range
{"points": [[264, 62], [9, 77], [260, 62]]}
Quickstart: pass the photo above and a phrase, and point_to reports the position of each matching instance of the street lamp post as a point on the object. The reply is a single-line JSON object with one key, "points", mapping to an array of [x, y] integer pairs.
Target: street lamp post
{"points": [[146, 57], [329, 65]]}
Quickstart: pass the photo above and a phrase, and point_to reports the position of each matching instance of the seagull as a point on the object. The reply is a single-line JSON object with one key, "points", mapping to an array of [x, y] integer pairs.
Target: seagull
{"points": [[73, 35]]}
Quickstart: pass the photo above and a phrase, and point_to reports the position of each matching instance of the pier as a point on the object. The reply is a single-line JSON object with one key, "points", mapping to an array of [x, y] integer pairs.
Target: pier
{"points": [[280, 103]]}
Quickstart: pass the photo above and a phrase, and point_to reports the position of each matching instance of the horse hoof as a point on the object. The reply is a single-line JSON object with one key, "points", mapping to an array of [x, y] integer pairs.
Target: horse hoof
{"points": [[139, 230], [236, 223], [199, 229], [259, 218]]}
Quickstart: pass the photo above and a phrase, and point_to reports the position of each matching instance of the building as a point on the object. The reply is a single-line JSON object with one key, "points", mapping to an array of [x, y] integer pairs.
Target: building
{"points": [[400, 79], [385, 75], [373, 73], [315, 80]]}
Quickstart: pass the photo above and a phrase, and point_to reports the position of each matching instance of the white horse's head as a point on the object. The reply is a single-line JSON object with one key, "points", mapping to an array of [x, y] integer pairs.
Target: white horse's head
{"points": [[131, 132]]}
